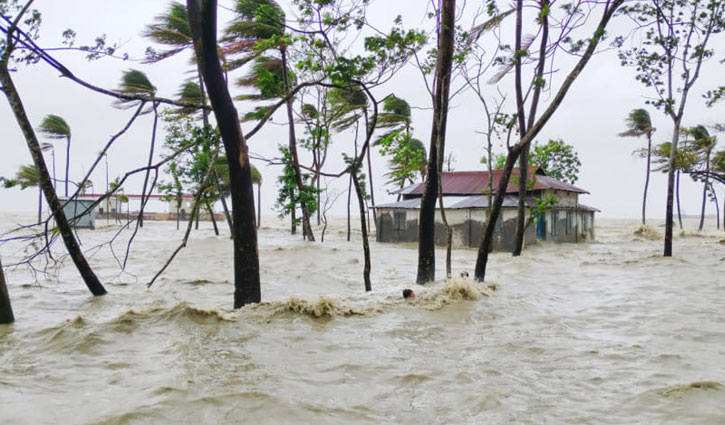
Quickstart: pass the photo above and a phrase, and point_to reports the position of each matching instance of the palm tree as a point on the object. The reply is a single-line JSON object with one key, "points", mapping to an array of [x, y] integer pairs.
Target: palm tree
{"points": [[55, 127], [640, 124], [703, 143], [258, 21], [45, 147], [172, 30], [408, 155], [137, 83], [27, 176], [257, 179]]}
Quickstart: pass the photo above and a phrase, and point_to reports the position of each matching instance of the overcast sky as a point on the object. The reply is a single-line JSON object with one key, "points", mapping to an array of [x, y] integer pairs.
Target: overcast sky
{"points": [[590, 118]]}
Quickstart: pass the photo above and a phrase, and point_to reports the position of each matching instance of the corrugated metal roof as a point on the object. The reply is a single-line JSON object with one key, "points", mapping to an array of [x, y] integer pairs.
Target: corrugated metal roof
{"points": [[464, 202], [476, 182], [587, 208]]}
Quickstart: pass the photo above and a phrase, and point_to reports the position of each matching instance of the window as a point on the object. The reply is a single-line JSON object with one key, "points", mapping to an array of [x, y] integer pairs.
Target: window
{"points": [[399, 221], [554, 223], [585, 223], [569, 222]]}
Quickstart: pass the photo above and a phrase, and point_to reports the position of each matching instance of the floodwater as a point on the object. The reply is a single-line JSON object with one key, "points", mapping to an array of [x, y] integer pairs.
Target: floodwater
{"points": [[607, 332]]}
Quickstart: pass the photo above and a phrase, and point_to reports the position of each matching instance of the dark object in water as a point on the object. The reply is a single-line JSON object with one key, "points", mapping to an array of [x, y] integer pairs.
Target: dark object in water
{"points": [[408, 293], [464, 274]]}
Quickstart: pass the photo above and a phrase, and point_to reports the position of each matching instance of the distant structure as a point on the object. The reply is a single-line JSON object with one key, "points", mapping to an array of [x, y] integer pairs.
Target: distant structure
{"points": [[466, 206]]}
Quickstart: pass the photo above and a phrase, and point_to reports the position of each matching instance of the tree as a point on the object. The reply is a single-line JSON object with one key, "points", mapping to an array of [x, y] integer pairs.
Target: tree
{"points": [[558, 159], [640, 124], [678, 36], [704, 144], [536, 125], [407, 155], [16, 105], [27, 176], [260, 27], [431, 192], [202, 21], [6, 309], [134, 82], [55, 127]]}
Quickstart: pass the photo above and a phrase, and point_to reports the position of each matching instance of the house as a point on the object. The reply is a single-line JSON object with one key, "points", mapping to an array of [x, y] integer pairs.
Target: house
{"points": [[466, 207]]}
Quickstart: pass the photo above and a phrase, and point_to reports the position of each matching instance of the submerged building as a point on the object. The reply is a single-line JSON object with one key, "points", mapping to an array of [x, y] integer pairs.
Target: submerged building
{"points": [[465, 201]]}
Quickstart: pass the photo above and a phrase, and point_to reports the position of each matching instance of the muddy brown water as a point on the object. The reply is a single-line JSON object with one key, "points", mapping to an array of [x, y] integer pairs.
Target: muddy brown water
{"points": [[607, 332]]}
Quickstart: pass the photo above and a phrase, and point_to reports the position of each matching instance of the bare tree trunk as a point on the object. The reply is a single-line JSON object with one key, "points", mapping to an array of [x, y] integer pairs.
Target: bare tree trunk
{"points": [[349, 195], [148, 171], [704, 192], [364, 230], [67, 165], [426, 222], [679, 211], [306, 228], [40, 204], [646, 181], [259, 205], [213, 219], [202, 20], [222, 198], [524, 157], [372, 189], [65, 230], [6, 309], [717, 208]]}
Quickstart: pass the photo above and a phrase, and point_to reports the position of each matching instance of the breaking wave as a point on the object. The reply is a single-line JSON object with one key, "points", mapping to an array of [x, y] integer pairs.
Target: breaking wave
{"points": [[647, 232], [678, 391]]}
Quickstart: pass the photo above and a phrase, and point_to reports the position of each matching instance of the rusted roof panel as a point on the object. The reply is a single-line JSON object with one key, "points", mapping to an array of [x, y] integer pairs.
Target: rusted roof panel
{"points": [[476, 183]]}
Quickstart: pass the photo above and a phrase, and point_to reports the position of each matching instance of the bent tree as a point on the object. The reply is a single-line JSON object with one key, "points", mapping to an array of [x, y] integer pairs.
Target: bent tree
{"points": [[46, 184], [640, 124], [677, 40], [203, 22], [533, 130]]}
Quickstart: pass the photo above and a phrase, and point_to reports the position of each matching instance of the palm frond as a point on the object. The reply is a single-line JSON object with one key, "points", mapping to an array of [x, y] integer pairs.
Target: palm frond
{"points": [[54, 127]]}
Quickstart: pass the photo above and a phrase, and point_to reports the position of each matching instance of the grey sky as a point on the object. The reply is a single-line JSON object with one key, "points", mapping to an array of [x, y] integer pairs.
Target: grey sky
{"points": [[590, 118]]}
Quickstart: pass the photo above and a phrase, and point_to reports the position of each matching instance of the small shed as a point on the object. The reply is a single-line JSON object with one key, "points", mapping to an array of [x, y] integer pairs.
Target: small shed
{"points": [[80, 212]]}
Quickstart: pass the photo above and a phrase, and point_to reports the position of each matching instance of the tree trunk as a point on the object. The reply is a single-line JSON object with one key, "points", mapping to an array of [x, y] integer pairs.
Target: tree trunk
{"points": [[6, 309], [202, 20], [426, 226], [67, 165], [646, 180], [671, 190], [521, 211], [521, 224], [213, 219], [704, 193], [364, 230], [293, 216], [487, 241], [148, 170], [228, 216], [306, 228], [717, 208], [40, 204], [65, 230], [259, 205], [349, 196], [679, 211], [370, 179]]}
